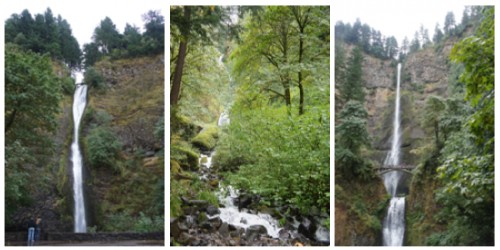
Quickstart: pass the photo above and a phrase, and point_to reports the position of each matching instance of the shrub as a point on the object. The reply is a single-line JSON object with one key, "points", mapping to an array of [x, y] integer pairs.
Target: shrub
{"points": [[103, 147]]}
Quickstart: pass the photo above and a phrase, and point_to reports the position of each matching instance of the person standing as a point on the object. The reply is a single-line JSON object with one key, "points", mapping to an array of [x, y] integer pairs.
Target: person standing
{"points": [[31, 232], [38, 228]]}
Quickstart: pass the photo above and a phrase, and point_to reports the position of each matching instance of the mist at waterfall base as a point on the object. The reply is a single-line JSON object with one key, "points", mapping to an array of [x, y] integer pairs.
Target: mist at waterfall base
{"points": [[394, 222], [79, 102]]}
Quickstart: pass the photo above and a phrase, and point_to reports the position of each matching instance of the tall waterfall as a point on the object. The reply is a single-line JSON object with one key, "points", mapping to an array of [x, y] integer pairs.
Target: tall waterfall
{"points": [[393, 156], [394, 222], [79, 102]]}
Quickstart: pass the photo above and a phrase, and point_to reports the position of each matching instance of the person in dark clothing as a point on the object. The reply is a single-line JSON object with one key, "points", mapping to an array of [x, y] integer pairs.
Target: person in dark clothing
{"points": [[31, 232]]}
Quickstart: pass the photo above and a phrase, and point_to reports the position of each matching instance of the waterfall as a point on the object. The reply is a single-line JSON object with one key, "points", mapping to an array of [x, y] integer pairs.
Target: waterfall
{"points": [[394, 222], [393, 156], [79, 102]]}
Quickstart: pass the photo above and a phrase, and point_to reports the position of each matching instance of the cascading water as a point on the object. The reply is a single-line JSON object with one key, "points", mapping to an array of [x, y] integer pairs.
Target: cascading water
{"points": [[79, 102], [394, 223]]}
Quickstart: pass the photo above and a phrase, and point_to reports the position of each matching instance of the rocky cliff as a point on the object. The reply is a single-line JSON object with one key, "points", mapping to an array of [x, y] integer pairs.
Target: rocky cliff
{"points": [[423, 73], [129, 106]]}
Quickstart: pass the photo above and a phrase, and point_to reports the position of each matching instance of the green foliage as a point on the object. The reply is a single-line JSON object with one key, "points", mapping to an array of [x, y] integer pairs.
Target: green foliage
{"points": [[289, 157], [352, 88], [147, 224], [94, 79], [351, 135], [44, 34], [32, 97], [477, 55], [467, 159], [107, 41], [208, 196], [103, 147]]}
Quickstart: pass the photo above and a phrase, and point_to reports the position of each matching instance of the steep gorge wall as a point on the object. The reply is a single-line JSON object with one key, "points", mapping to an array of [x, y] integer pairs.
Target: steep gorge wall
{"points": [[423, 73]]}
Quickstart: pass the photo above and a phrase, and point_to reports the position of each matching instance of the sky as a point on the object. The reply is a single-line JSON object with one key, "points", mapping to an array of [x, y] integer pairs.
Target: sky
{"points": [[397, 17], [85, 16]]}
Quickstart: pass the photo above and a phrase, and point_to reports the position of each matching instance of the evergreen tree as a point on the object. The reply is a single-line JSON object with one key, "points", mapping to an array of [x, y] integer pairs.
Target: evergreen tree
{"points": [[449, 23], [352, 89], [438, 34]]}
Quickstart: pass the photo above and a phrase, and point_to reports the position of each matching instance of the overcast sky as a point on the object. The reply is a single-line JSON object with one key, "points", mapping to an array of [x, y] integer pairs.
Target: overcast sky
{"points": [[397, 17], [84, 16]]}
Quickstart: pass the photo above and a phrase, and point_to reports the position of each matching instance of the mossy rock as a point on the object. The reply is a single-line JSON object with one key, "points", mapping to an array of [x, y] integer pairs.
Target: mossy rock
{"points": [[185, 157], [174, 167], [183, 126], [206, 140]]}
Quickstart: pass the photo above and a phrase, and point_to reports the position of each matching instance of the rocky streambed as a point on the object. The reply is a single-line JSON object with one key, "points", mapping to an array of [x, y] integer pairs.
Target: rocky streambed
{"points": [[240, 220]]}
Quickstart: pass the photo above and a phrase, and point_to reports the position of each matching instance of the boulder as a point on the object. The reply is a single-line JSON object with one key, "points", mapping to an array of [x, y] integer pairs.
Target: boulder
{"points": [[177, 227], [212, 210], [254, 232], [307, 228], [224, 230]]}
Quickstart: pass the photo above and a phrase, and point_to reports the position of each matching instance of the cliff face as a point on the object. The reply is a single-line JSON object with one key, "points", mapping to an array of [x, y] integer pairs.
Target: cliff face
{"points": [[423, 73], [130, 105]]}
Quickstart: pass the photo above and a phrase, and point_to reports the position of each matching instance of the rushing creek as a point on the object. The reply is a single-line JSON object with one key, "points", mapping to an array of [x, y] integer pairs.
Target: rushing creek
{"points": [[394, 223], [245, 218]]}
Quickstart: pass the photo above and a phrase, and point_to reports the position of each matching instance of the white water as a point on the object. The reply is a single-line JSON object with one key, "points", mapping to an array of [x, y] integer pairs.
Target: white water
{"points": [[223, 119], [230, 214], [79, 102], [393, 156], [394, 222]]}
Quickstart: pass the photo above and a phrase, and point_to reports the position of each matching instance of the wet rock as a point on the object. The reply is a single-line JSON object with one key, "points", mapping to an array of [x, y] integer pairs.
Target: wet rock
{"points": [[284, 234], [186, 239], [215, 222], [254, 232], [307, 228], [177, 227], [243, 221], [224, 230], [212, 210]]}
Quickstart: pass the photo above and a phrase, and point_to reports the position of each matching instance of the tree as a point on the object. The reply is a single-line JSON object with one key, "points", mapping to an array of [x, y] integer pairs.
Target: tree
{"points": [[449, 23], [433, 110], [155, 29], [106, 36], [44, 34], [391, 47], [352, 89], [302, 19], [438, 34], [467, 160], [477, 54], [91, 54], [415, 43], [351, 135], [132, 39], [191, 22], [32, 96]]}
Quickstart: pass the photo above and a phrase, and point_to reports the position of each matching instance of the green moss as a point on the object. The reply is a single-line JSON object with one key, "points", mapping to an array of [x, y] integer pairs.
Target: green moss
{"points": [[206, 139], [174, 167], [185, 156]]}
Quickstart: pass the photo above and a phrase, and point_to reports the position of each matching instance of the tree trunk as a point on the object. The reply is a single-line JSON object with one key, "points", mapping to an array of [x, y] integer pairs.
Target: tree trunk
{"points": [[176, 83], [301, 88], [181, 57]]}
